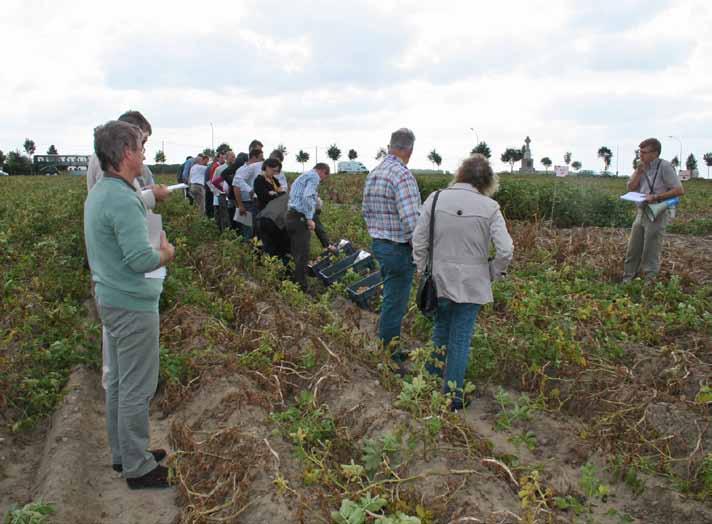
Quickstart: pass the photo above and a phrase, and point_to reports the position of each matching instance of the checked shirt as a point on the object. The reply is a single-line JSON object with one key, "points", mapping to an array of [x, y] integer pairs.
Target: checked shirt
{"points": [[391, 201]]}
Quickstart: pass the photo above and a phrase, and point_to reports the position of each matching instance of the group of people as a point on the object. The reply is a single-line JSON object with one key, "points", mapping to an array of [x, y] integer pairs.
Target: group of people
{"points": [[451, 235], [251, 194]]}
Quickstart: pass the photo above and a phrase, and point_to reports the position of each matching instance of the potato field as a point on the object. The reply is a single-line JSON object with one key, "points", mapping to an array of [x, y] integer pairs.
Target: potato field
{"points": [[590, 399]]}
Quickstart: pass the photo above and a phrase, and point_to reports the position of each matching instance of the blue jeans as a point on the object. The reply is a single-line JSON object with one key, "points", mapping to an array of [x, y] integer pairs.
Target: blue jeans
{"points": [[453, 329], [397, 269]]}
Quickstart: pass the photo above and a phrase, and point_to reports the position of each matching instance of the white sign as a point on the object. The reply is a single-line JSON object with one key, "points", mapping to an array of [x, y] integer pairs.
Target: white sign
{"points": [[561, 170], [685, 174]]}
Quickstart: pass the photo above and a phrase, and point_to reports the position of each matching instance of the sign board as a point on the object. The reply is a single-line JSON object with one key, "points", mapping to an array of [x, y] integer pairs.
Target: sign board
{"points": [[561, 170], [684, 174]]}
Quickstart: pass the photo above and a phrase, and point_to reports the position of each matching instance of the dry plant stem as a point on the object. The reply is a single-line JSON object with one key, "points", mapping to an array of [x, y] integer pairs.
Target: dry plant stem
{"points": [[338, 359], [417, 477], [508, 514], [465, 519], [504, 467]]}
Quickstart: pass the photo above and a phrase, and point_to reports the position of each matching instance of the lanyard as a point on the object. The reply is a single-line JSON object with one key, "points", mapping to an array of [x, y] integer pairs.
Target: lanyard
{"points": [[651, 186]]}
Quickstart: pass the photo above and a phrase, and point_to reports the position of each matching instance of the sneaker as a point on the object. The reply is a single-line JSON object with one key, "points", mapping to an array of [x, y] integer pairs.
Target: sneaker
{"points": [[158, 455], [157, 478]]}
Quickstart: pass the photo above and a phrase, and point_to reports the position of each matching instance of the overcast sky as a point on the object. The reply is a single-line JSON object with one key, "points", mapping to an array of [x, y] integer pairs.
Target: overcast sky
{"points": [[572, 74]]}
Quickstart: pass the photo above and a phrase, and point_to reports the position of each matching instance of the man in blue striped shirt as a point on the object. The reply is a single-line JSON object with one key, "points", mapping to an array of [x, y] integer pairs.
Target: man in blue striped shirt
{"points": [[300, 217], [391, 202]]}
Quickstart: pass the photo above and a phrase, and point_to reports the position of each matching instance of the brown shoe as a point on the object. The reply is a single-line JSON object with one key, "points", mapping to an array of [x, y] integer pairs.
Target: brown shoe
{"points": [[158, 455], [154, 479]]}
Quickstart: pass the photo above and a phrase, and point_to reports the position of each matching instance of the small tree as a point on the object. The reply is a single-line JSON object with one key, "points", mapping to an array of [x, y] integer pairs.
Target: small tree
{"points": [[691, 164], [606, 154], [17, 163], [382, 152], [334, 153], [567, 158], [52, 150], [2, 159], [160, 157], [353, 155], [636, 159], [435, 158], [209, 152], [29, 146], [576, 165], [483, 149], [282, 149], [512, 155], [707, 157], [675, 162], [546, 162], [302, 158]]}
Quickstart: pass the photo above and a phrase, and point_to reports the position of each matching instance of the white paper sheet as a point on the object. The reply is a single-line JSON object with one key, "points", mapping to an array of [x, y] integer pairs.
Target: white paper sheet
{"points": [[155, 226], [245, 219], [157, 273], [633, 197]]}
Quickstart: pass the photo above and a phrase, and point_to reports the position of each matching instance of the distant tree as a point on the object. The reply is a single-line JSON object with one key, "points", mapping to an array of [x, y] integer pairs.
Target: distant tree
{"points": [[382, 152], [52, 150], [353, 155], [223, 149], [567, 158], [29, 146], [636, 159], [512, 155], [576, 165], [605, 154], [302, 158], [691, 164], [675, 162], [17, 163], [546, 162], [334, 153], [209, 152], [707, 157], [435, 158], [160, 157], [483, 149], [282, 149], [2, 158]]}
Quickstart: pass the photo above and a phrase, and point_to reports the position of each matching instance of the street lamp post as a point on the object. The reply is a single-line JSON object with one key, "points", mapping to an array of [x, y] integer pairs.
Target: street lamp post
{"points": [[477, 137], [680, 141]]}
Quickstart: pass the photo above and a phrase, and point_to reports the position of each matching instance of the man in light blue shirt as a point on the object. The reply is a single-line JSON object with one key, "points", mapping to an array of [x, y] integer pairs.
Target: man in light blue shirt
{"points": [[300, 217]]}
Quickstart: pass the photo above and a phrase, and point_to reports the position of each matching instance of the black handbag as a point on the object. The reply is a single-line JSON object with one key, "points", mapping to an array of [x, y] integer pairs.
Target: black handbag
{"points": [[427, 295]]}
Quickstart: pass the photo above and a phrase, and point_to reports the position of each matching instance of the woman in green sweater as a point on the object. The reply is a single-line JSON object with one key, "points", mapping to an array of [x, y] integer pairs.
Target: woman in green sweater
{"points": [[120, 254]]}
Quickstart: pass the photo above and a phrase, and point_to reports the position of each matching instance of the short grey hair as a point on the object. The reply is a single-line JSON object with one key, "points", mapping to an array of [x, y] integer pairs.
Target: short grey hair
{"points": [[403, 138], [112, 139]]}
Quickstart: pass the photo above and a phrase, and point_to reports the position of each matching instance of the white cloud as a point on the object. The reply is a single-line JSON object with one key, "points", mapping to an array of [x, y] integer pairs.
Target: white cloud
{"points": [[573, 75]]}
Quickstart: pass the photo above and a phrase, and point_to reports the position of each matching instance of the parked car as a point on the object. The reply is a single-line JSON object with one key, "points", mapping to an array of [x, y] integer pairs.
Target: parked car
{"points": [[351, 166], [2, 173]]}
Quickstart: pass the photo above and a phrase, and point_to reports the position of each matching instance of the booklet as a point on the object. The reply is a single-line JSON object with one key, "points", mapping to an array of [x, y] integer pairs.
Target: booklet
{"points": [[633, 196], [155, 226]]}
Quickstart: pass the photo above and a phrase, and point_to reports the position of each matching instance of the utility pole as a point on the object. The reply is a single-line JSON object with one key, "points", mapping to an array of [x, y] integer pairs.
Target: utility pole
{"points": [[212, 137], [316, 154]]}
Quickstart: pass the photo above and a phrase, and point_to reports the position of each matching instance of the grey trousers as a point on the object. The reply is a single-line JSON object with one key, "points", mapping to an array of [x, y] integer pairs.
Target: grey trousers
{"points": [[198, 193], [131, 384], [645, 245]]}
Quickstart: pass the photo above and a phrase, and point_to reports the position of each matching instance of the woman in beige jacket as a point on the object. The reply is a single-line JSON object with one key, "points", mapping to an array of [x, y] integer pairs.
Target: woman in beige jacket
{"points": [[467, 222]]}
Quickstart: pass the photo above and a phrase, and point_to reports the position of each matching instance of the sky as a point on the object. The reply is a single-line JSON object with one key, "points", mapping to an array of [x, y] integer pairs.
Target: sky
{"points": [[573, 75]]}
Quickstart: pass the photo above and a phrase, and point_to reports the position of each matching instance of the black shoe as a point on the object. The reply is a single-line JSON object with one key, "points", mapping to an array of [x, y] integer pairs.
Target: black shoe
{"points": [[158, 455], [456, 405], [154, 479]]}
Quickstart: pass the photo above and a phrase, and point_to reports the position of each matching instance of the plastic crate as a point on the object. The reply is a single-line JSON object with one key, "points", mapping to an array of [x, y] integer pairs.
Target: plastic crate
{"points": [[363, 291], [326, 257], [357, 262]]}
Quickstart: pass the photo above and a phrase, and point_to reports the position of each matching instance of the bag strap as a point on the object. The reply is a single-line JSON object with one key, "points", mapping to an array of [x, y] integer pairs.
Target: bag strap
{"points": [[432, 232]]}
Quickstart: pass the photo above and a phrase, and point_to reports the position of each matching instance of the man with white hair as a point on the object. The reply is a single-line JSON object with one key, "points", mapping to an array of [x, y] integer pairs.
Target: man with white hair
{"points": [[391, 202]]}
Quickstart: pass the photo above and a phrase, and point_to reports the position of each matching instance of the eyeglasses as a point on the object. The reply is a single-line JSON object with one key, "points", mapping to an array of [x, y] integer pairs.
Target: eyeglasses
{"points": [[642, 151]]}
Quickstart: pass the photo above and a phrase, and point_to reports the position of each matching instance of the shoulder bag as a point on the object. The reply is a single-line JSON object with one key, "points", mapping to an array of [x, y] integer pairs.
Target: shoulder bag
{"points": [[427, 295]]}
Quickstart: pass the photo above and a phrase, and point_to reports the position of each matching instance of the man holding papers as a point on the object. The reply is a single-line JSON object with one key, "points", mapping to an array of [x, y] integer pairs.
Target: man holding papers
{"points": [[657, 181]]}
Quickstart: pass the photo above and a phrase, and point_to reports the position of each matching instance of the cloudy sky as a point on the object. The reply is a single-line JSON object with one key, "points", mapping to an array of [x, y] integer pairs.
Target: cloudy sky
{"points": [[574, 75]]}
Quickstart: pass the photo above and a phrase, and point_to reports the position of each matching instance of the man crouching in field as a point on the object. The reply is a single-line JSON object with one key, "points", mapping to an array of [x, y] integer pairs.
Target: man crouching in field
{"points": [[119, 251]]}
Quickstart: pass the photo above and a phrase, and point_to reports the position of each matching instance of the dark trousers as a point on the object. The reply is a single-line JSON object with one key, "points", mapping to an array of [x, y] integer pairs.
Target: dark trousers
{"points": [[275, 241], [299, 237], [208, 202]]}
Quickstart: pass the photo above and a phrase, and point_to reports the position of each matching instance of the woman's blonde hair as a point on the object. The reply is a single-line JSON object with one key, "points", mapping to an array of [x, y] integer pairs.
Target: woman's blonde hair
{"points": [[477, 171]]}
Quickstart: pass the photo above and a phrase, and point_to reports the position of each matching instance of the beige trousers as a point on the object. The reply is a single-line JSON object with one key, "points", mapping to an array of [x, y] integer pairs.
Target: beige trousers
{"points": [[645, 245]]}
